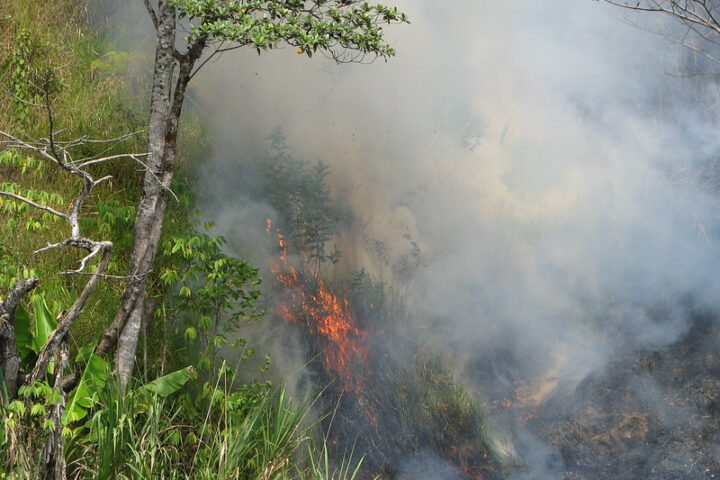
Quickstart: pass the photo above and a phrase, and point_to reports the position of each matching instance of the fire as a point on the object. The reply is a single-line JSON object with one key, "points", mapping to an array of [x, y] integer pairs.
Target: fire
{"points": [[345, 344], [530, 396], [314, 305]]}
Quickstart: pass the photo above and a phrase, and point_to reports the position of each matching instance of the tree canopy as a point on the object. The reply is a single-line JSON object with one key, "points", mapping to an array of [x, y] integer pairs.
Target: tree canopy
{"points": [[347, 30]]}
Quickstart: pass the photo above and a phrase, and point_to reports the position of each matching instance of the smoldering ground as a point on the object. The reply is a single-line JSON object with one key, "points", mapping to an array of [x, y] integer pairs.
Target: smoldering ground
{"points": [[544, 157]]}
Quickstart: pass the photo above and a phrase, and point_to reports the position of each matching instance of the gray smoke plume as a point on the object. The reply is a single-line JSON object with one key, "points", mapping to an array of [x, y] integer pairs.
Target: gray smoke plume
{"points": [[525, 149], [544, 157]]}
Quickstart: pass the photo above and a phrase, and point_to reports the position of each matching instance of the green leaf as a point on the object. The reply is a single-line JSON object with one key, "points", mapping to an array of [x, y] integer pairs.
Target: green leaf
{"points": [[37, 410], [23, 333], [191, 333], [170, 383], [92, 380], [44, 323], [205, 322]]}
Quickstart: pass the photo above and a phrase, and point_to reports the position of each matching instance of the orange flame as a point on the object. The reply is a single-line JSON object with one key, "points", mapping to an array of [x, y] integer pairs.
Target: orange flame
{"points": [[344, 345]]}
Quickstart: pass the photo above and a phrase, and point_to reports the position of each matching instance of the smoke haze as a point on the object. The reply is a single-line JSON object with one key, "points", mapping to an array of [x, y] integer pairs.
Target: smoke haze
{"points": [[528, 151], [543, 157]]}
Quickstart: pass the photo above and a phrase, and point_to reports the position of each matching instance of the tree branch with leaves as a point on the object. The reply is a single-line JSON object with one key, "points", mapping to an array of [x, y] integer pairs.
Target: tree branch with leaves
{"points": [[344, 30]]}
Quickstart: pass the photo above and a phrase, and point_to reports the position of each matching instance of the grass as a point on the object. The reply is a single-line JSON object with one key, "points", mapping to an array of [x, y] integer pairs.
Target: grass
{"points": [[139, 436], [93, 97], [86, 103]]}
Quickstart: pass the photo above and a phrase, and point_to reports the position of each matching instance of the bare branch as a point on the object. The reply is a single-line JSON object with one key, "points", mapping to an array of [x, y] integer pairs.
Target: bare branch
{"points": [[151, 12], [16, 294], [219, 50], [98, 248], [33, 204], [84, 243], [84, 260], [691, 12], [105, 275], [22, 100], [103, 179], [38, 148], [48, 351], [158, 179], [84, 140], [83, 164]]}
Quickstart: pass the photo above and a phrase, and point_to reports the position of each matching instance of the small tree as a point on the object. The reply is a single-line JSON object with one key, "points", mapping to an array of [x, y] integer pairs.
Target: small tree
{"points": [[345, 30]]}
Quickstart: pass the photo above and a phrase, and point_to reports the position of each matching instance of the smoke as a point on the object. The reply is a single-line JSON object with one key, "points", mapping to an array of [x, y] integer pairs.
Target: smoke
{"points": [[528, 152], [428, 466], [542, 156]]}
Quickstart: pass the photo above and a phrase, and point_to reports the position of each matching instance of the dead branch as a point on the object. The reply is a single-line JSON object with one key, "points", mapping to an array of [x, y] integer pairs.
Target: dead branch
{"points": [[54, 451], [33, 204], [59, 153], [50, 349], [20, 290], [9, 356], [700, 13]]}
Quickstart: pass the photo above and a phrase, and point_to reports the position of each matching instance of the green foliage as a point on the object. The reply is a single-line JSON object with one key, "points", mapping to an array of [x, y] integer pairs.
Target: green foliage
{"points": [[89, 101], [31, 332], [14, 158], [24, 67], [91, 382], [115, 220], [320, 466], [25, 428], [171, 427], [333, 26], [216, 292], [168, 384], [299, 191], [146, 434], [257, 441]]}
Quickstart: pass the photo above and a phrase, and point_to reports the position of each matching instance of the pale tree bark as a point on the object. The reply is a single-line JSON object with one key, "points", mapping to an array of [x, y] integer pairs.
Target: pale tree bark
{"points": [[153, 202], [165, 110]]}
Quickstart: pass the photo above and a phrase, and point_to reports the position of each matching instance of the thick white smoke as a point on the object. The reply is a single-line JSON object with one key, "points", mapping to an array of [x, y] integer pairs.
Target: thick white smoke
{"points": [[544, 157], [527, 150]]}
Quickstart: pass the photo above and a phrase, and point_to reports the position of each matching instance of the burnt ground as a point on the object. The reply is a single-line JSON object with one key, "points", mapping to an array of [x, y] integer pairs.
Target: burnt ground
{"points": [[648, 415]]}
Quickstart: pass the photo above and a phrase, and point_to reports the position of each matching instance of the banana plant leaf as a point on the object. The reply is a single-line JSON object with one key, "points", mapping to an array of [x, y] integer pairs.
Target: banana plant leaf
{"points": [[44, 323], [24, 337], [85, 394], [170, 383]]}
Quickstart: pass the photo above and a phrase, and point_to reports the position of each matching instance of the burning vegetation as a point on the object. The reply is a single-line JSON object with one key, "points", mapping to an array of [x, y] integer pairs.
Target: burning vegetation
{"points": [[392, 398], [386, 396]]}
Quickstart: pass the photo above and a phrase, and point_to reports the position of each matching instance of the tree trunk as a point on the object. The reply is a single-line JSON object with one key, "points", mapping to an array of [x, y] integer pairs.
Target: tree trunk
{"points": [[165, 110], [127, 345], [9, 356], [151, 208]]}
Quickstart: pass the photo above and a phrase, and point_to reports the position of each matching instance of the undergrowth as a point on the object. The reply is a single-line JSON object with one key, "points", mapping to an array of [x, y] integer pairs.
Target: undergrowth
{"points": [[195, 422]]}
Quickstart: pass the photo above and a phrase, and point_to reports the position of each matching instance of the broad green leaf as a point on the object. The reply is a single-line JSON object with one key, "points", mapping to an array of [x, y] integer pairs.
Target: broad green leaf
{"points": [[170, 383], [92, 380], [23, 333], [44, 323]]}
